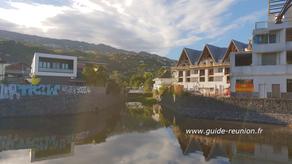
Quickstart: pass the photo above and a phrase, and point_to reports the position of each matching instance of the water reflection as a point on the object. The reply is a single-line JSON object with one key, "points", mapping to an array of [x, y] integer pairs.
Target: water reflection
{"points": [[136, 136]]}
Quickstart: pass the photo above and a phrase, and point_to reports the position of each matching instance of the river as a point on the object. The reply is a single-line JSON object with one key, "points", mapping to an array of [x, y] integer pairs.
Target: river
{"points": [[139, 136]]}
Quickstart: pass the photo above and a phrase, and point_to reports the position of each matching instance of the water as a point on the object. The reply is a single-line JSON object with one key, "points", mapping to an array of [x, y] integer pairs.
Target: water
{"points": [[137, 136]]}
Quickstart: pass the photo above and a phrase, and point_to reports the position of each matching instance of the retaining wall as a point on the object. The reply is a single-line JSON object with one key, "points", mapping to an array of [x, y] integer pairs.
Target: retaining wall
{"points": [[61, 102]]}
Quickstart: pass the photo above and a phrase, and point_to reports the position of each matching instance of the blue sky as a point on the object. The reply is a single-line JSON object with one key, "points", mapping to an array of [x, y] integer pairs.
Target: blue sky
{"points": [[163, 27], [241, 33]]}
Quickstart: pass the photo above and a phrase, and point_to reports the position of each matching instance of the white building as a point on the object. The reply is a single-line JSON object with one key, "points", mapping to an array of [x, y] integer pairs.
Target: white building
{"points": [[159, 82], [267, 71], [51, 65], [206, 71]]}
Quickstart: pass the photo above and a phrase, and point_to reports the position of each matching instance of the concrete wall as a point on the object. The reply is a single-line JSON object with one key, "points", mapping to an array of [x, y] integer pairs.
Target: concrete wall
{"points": [[69, 102], [261, 105]]}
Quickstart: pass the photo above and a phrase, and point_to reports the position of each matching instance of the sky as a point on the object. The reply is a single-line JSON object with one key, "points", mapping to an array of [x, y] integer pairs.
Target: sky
{"points": [[163, 27]]}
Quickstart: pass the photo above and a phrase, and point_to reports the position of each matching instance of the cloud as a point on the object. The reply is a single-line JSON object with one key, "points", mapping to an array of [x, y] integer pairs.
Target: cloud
{"points": [[156, 146], [154, 26]]}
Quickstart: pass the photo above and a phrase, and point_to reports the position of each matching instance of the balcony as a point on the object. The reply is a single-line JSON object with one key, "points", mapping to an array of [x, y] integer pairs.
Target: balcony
{"points": [[270, 25], [261, 25], [269, 47], [268, 70], [52, 70]]}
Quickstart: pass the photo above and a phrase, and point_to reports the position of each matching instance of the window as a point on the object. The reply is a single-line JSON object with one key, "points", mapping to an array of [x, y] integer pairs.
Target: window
{"points": [[227, 71], [289, 35], [269, 59], [188, 73], [211, 72], [211, 79], [202, 79], [41, 64], [243, 59], [228, 79], [180, 80], [289, 85], [188, 80], [180, 73], [261, 39], [202, 72], [220, 70], [195, 71], [289, 57], [272, 37]]}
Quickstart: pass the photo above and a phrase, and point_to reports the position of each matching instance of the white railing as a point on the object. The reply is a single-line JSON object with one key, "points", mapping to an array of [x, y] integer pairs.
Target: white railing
{"points": [[55, 70], [261, 25]]}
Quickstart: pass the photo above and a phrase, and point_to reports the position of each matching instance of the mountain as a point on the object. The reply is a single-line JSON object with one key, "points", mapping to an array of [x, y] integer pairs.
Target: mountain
{"points": [[16, 47], [59, 43]]}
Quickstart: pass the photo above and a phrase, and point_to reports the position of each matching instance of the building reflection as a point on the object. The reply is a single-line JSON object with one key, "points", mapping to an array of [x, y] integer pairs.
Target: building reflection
{"points": [[66, 137], [235, 150]]}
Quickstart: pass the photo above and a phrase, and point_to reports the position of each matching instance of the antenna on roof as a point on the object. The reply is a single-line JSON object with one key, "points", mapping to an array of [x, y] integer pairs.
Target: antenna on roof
{"points": [[279, 8]]}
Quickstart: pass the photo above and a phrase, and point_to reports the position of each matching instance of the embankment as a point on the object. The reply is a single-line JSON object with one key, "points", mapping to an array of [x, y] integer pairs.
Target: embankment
{"points": [[47, 100], [271, 111]]}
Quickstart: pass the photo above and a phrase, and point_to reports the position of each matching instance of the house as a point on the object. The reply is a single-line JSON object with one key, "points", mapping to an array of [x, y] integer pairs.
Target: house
{"points": [[266, 72], [159, 82], [164, 80], [206, 71], [52, 68], [16, 72]]}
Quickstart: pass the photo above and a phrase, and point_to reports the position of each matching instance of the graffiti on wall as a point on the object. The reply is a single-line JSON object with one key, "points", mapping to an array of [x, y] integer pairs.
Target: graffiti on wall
{"points": [[75, 90], [16, 91]]}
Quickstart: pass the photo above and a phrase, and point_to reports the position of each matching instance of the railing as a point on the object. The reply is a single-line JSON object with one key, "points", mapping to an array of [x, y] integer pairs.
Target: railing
{"points": [[55, 70], [261, 25], [266, 24]]}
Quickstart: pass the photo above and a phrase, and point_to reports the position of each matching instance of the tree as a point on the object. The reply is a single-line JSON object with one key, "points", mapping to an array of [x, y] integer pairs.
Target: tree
{"points": [[148, 85], [118, 78], [136, 81], [95, 75], [148, 75], [101, 74]]}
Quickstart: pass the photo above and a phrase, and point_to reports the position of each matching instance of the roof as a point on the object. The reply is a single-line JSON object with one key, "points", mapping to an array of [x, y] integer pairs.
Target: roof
{"points": [[55, 56], [17, 66], [192, 54], [217, 52], [239, 45]]}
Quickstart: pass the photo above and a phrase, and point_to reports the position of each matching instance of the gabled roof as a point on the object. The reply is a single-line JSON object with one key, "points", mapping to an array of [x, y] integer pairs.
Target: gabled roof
{"points": [[239, 45], [217, 52], [192, 55]]}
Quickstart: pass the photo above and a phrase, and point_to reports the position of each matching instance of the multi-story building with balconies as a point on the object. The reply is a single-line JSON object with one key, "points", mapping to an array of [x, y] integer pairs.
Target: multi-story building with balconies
{"points": [[267, 70], [206, 71]]}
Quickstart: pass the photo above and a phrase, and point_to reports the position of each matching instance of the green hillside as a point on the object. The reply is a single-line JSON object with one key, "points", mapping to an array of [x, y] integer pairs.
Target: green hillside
{"points": [[124, 62]]}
